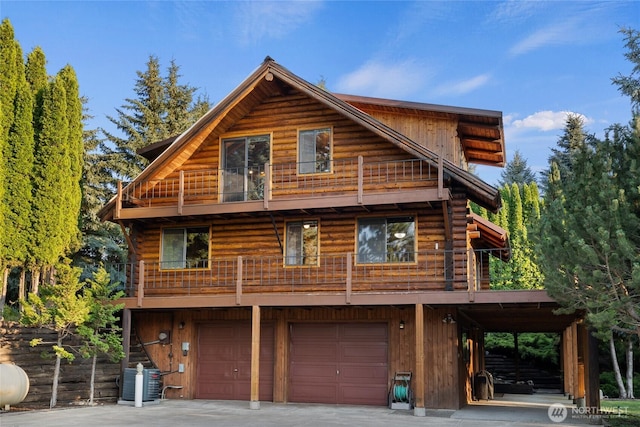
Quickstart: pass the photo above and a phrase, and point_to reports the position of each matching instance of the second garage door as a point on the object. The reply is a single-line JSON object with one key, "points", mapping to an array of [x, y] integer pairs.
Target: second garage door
{"points": [[342, 363]]}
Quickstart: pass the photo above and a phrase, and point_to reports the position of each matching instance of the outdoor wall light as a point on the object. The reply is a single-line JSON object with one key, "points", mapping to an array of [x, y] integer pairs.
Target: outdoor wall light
{"points": [[400, 235], [402, 324], [448, 318]]}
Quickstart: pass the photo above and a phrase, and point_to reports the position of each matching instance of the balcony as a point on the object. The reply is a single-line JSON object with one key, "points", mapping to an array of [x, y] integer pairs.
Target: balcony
{"points": [[334, 274], [348, 182]]}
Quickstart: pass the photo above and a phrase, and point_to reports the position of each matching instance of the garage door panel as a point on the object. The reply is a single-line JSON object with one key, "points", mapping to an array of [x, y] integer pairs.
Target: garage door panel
{"points": [[363, 353], [339, 363], [363, 373], [313, 393], [224, 361]]}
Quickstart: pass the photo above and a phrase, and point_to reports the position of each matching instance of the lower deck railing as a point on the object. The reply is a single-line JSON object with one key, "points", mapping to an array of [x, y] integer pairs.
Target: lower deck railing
{"points": [[431, 270]]}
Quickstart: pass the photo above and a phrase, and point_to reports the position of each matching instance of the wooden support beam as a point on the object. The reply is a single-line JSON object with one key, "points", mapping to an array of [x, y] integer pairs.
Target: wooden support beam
{"points": [[419, 409], [255, 358], [127, 237]]}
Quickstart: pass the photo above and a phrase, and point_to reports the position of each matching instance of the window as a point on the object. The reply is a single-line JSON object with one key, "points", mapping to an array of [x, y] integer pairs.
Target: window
{"points": [[386, 239], [314, 151], [302, 243], [185, 248], [243, 163]]}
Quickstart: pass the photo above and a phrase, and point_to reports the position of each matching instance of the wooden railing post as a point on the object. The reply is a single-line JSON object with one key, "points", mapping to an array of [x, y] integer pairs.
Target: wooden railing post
{"points": [[360, 178], [239, 281], [349, 277], [440, 178], [181, 193], [267, 185], [471, 274], [118, 206], [140, 282]]}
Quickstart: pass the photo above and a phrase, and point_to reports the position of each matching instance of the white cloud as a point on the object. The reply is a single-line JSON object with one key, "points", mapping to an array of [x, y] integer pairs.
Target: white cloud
{"points": [[463, 87], [544, 121], [389, 79], [257, 20]]}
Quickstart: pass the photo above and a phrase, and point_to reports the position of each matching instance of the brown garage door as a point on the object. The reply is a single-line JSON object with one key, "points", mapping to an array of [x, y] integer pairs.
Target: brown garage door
{"points": [[339, 363], [224, 361]]}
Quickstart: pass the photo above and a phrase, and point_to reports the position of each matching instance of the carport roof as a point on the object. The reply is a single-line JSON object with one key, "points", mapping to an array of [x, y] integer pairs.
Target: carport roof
{"points": [[517, 317]]}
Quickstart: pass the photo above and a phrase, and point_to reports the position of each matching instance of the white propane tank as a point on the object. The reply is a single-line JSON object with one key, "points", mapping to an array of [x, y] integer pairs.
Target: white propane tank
{"points": [[14, 385]]}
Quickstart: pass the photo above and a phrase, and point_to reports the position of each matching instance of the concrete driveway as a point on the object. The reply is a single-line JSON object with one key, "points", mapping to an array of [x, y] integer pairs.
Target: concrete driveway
{"points": [[172, 413]]}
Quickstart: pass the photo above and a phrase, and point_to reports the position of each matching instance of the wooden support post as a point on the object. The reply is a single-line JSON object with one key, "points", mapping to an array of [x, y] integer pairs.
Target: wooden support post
{"points": [[592, 377], [575, 369], [419, 409], [126, 343], [255, 358], [140, 282]]}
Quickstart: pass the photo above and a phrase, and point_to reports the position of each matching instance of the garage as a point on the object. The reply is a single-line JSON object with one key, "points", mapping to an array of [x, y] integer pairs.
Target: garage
{"points": [[339, 363], [224, 361]]}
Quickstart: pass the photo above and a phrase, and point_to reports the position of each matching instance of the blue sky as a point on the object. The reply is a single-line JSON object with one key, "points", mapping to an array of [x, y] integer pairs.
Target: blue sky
{"points": [[533, 60]]}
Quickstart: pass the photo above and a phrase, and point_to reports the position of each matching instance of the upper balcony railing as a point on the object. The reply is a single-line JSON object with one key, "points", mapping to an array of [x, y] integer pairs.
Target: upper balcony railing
{"points": [[468, 270], [281, 181]]}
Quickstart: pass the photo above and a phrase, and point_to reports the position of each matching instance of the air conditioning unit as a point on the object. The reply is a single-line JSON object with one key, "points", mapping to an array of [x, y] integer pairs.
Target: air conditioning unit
{"points": [[150, 384]]}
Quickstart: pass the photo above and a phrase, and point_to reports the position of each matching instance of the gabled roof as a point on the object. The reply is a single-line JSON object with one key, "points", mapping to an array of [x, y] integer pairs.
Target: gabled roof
{"points": [[491, 236], [271, 78], [481, 132]]}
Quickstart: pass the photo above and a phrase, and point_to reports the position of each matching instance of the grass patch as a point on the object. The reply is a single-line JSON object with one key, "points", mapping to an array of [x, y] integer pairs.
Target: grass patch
{"points": [[624, 413]]}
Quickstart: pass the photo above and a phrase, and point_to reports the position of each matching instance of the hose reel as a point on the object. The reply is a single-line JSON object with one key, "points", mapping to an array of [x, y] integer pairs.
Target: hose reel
{"points": [[400, 394]]}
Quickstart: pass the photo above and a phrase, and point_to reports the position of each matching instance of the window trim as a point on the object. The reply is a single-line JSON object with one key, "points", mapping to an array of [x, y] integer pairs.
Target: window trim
{"points": [[299, 151], [286, 240], [222, 165], [386, 218], [187, 227]]}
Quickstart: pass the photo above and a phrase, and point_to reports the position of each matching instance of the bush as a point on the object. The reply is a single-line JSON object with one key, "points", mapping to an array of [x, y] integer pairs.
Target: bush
{"points": [[609, 386]]}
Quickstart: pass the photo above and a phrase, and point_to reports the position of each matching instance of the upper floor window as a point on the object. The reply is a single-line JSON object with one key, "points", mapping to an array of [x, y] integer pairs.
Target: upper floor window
{"points": [[185, 248], [314, 151], [382, 240], [302, 243], [243, 161]]}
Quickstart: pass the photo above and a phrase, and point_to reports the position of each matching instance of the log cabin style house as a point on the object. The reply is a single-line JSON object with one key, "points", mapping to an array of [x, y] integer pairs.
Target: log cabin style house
{"points": [[296, 245]]}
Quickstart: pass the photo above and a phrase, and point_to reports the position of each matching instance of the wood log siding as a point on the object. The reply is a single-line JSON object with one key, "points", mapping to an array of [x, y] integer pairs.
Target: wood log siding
{"points": [[282, 117]]}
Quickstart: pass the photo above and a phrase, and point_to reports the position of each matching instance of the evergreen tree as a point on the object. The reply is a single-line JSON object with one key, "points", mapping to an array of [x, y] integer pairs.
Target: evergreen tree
{"points": [[75, 154], [163, 108], [589, 240], [100, 332], [51, 164], [630, 85], [8, 86], [516, 171], [19, 160], [60, 307], [102, 242], [36, 73]]}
